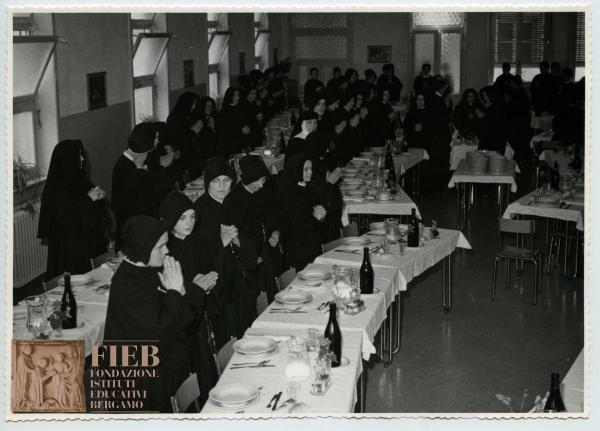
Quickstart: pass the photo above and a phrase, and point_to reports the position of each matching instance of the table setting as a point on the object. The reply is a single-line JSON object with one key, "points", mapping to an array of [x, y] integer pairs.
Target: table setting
{"points": [[287, 372]]}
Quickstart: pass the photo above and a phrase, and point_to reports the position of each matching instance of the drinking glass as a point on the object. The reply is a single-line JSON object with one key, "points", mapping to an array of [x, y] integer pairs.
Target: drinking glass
{"points": [[312, 339], [37, 316], [402, 244]]}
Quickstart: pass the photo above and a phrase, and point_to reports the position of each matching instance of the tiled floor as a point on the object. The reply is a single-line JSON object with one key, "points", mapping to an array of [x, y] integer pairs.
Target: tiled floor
{"points": [[458, 362]]}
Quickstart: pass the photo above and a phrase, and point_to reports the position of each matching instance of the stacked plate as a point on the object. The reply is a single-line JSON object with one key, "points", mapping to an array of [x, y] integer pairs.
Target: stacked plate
{"points": [[356, 240], [545, 200], [314, 275], [496, 163], [234, 395], [356, 181], [377, 225], [255, 346], [293, 297], [358, 193], [357, 163], [347, 187]]}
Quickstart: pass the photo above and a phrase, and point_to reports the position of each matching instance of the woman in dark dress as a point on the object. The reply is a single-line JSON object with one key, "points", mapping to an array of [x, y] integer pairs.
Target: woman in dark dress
{"points": [[234, 130], [254, 118], [234, 254], [492, 134], [148, 305], [380, 120], [70, 213], [204, 119], [417, 125], [302, 142], [181, 137], [303, 214], [179, 217], [465, 116]]}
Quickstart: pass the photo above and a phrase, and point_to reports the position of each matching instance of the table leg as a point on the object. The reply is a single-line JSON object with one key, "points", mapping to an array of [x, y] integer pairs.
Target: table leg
{"points": [[576, 251], [362, 391], [398, 323], [447, 283], [458, 206]]}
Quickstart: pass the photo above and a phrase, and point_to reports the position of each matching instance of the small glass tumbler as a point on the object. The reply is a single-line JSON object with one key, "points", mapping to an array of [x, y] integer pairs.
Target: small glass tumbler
{"points": [[402, 244], [312, 339]]}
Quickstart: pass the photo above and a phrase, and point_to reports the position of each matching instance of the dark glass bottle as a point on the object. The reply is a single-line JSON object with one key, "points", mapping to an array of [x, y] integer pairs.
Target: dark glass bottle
{"points": [[392, 180], [554, 403], [366, 274], [413, 233], [68, 306], [555, 177], [334, 335], [281, 144]]}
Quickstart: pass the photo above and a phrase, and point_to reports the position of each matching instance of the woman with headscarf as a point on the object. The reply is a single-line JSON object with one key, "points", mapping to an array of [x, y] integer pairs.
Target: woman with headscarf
{"points": [[380, 119], [179, 217], [179, 123], [253, 117], [302, 142], [146, 306], [234, 130], [69, 214], [340, 151], [234, 254], [303, 214], [204, 126], [465, 116], [417, 124], [491, 133]]}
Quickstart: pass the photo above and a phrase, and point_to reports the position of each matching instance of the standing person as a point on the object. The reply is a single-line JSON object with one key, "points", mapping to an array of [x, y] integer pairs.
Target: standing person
{"points": [[381, 115], [70, 214], [542, 89], [502, 82], [369, 82], [417, 124], [146, 304], [303, 214], [424, 82], [492, 135], [181, 137], [388, 81], [518, 120], [234, 254], [252, 207], [134, 185], [234, 130], [465, 116], [313, 85], [179, 217], [300, 143], [204, 126], [334, 83]]}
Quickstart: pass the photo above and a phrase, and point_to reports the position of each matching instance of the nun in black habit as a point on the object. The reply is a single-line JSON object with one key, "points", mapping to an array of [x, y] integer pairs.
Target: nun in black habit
{"points": [[303, 214], [145, 304], [304, 141], [181, 136], [252, 207], [179, 216], [234, 254], [234, 128], [70, 213]]}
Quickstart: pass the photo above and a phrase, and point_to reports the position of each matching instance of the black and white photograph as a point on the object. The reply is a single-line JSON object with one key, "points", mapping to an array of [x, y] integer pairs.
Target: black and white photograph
{"points": [[288, 214]]}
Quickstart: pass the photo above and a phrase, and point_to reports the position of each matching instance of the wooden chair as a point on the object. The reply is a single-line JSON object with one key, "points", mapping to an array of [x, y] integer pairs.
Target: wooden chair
{"points": [[350, 230], [518, 253], [188, 392], [285, 279], [224, 356], [331, 245]]}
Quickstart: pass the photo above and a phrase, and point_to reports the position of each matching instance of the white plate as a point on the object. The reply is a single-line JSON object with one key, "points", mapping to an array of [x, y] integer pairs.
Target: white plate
{"points": [[356, 240], [390, 198], [255, 345], [377, 225], [293, 297], [232, 395], [313, 275], [376, 232], [77, 280]]}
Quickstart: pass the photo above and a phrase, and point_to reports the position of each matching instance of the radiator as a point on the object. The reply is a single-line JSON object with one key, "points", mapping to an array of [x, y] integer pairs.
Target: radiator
{"points": [[29, 255]]}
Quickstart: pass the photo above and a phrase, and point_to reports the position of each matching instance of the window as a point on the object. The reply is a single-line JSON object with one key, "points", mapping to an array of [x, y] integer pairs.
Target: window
{"points": [[149, 49], [261, 40], [579, 45], [31, 56], [520, 39], [218, 55]]}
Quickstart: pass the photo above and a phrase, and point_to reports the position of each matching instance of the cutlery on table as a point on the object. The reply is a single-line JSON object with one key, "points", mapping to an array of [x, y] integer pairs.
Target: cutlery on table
{"points": [[266, 361], [252, 366], [278, 394], [276, 401], [323, 305], [286, 311], [347, 251]]}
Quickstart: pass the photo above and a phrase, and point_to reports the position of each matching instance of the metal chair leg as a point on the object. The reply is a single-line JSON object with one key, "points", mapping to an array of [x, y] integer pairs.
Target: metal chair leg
{"points": [[508, 273], [494, 278], [535, 282]]}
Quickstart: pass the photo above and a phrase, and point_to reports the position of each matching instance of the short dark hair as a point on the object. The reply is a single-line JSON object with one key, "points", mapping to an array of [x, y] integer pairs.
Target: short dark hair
{"points": [[337, 69], [506, 64], [426, 65], [314, 69], [370, 73], [544, 64]]}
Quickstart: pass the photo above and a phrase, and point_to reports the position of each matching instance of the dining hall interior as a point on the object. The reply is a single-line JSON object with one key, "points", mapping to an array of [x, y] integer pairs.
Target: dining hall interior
{"points": [[419, 176]]}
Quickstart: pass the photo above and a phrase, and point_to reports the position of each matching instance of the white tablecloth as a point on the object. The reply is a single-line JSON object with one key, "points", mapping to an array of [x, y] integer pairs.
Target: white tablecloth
{"points": [[403, 162], [366, 322], [401, 205], [340, 397], [91, 312], [572, 386], [463, 175], [522, 206], [414, 261], [459, 152]]}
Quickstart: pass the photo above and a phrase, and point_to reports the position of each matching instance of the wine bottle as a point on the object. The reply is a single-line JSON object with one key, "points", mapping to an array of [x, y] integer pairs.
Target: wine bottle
{"points": [[334, 335], [554, 403], [555, 177], [281, 144], [413, 233], [366, 274], [68, 306]]}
